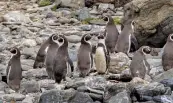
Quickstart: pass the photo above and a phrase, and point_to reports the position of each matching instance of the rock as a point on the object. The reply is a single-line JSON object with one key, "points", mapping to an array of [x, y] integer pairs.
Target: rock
{"points": [[73, 38], [149, 30], [72, 3], [113, 90], [104, 6], [29, 43], [118, 62], [13, 96], [2, 69], [152, 89], [16, 16], [165, 75], [28, 99], [81, 98], [27, 64], [137, 80], [122, 97], [57, 96], [83, 14], [95, 97], [31, 86], [3, 85], [35, 73], [163, 99], [86, 27], [168, 83], [29, 52], [47, 84]]}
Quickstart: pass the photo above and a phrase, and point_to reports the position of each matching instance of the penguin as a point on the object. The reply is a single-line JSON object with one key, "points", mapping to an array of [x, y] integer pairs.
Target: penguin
{"points": [[111, 34], [84, 56], [14, 70], [61, 63], [41, 55], [139, 66], [167, 56], [126, 38], [51, 52], [101, 55]]}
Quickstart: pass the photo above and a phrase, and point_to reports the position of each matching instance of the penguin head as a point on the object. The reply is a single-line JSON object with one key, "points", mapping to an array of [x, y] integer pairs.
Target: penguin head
{"points": [[109, 19], [170, 38], [62, 40], [101, 38], [15, 51], [146, 50], [86, 38], [132, 25]]}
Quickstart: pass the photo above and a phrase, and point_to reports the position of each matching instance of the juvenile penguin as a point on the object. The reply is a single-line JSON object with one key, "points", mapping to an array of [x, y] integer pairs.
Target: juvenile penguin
{"points": [[101, 55], [14, 70], [111, 33], [51, 52], [61, 62], [167, 56], [41, 55], [125, 38], [85, 59], [139, 66]]}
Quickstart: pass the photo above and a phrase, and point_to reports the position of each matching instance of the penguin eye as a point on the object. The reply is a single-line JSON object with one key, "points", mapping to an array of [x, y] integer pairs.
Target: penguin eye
{"points": [[55, 37], [14, 51], [87, 38], [61, 40], [171, 37], [147, 50]]}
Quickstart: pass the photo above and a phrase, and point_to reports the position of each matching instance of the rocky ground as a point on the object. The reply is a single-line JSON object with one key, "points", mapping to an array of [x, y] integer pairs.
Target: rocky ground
{"points": [[26, 25]]}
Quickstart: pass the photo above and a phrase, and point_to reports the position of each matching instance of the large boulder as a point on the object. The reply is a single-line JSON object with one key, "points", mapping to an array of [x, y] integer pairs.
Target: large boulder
{"points": [[117, 3], [153, 20]]}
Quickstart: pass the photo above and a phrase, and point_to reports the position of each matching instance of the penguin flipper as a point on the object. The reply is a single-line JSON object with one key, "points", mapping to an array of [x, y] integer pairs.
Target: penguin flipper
{"points": [[70, 63], [134, 42]]}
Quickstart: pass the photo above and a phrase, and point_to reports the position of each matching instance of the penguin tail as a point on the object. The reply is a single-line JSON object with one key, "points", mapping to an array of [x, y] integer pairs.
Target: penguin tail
{"points": [[58, 77]]}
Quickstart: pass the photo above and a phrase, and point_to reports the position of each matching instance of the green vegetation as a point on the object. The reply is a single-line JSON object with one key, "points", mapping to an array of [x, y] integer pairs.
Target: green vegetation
{"points": [[44, 3], [54, 8], [86, 21], [117, 20]]}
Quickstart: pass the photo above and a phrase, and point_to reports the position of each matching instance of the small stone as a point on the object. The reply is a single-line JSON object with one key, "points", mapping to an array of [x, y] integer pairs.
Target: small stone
{"points": [[74, 39], [29, 52], [30, 86], [84, 14], [57, 96], [122, 97], [168, 83], [165, 75], [16, 16], [148, 90], [86, 27], [47, 83], [81, 98], [29, 43], [13, 96], [28, 99], [35, 73]]}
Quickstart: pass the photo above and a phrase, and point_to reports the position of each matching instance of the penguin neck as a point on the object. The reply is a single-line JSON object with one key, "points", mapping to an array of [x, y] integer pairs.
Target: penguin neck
{"points": [[110, 22]]}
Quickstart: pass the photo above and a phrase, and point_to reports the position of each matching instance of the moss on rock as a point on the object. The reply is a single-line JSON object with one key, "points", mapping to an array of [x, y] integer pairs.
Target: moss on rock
{"points": [[44, 3]]}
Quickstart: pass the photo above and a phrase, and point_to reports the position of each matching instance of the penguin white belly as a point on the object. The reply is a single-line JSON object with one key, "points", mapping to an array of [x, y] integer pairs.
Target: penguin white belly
{"points": [[100, 60]]}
